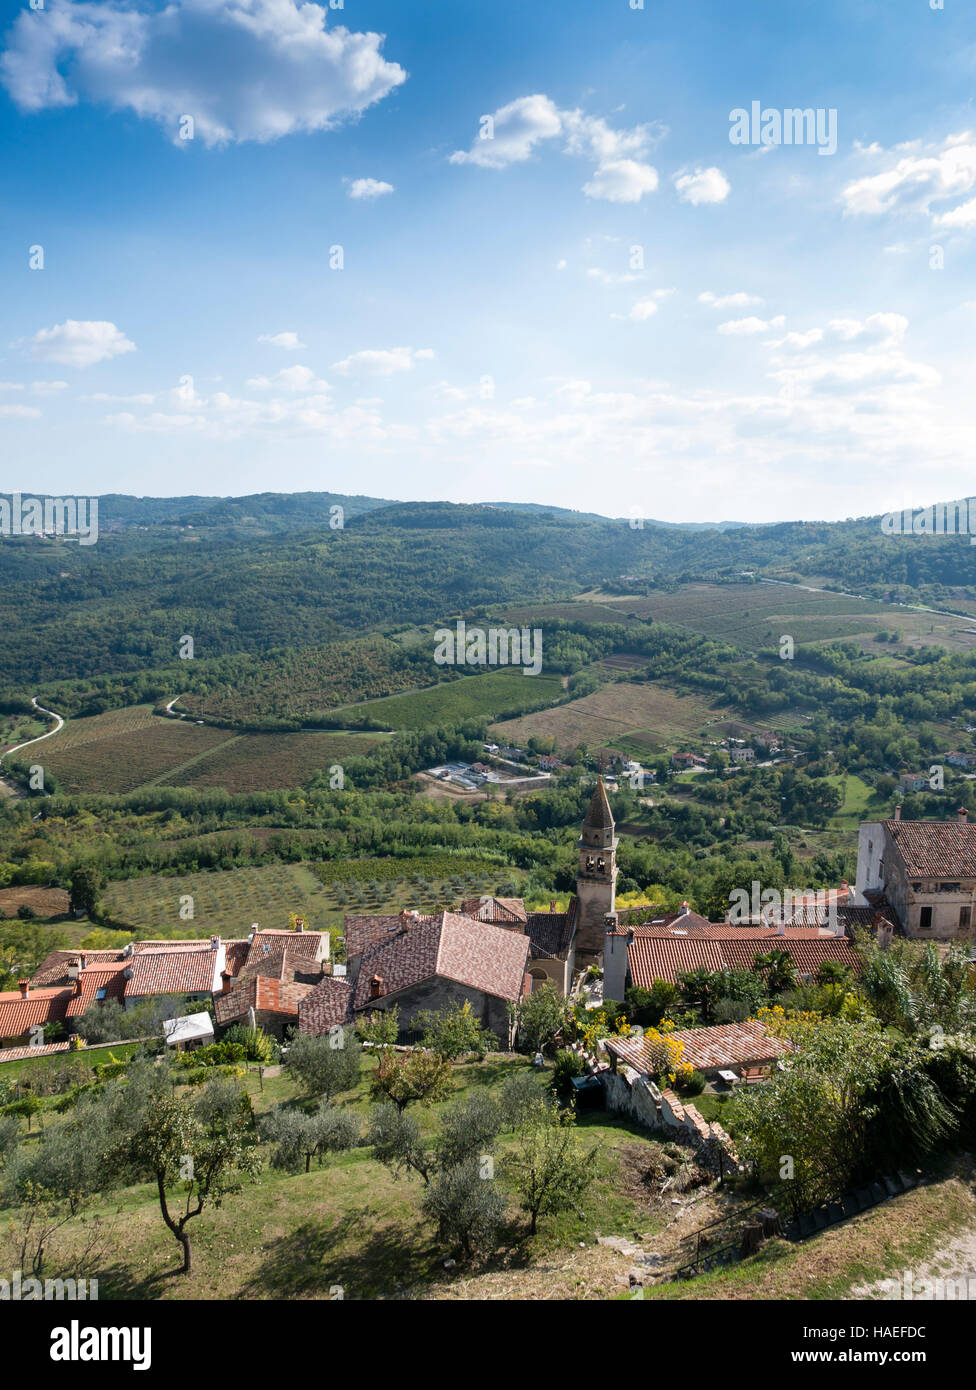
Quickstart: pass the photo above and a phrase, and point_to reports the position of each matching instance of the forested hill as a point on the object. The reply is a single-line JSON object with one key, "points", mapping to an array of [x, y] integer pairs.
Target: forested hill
{"points": [[249, 574]]}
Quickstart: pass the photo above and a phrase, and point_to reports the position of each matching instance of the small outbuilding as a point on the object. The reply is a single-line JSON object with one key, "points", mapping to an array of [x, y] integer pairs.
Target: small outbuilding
{"points": [[192, 1030]]}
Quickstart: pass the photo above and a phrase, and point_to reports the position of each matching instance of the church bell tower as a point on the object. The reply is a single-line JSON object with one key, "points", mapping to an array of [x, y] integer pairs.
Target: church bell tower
{"points": [[596, 880]]}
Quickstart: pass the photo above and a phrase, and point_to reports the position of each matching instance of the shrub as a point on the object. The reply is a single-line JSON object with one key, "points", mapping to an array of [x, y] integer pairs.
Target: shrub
{"points": [[692, 1085], [568, 1065]]}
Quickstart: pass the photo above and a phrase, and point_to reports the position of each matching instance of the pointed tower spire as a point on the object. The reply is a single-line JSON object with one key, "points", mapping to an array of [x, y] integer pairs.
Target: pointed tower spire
{"points": [[599, 816]]}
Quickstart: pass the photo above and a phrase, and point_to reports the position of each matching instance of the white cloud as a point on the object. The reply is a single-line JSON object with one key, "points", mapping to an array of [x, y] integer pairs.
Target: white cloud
{"points": [[290, 342], [913, 182], [11, 386], [369, 188], [48, 388], [513, 133], [280, 69], [622, 181], [613, 277], [702, 186], [295, 378], [744, 328], [739, 300], [643, 310], [383, 361], [80, 342], [19, 412]]}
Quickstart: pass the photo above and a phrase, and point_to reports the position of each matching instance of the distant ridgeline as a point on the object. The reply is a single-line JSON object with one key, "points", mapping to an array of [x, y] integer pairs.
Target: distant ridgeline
{"points": [[274, 572]]}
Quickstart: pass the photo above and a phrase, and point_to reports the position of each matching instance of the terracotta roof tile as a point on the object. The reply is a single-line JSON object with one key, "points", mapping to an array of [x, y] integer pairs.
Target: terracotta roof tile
{"points": [[475, 954], [327, 1006], [172, 970], [659, 958], [725, 1045], [932, 848]]}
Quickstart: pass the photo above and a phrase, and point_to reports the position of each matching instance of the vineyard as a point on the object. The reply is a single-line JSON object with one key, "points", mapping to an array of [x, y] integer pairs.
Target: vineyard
{"points": [[489, 696]]}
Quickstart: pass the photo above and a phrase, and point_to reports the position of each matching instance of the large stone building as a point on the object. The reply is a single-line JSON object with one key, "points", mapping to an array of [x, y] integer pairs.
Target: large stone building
{"points": [[922, 872]]}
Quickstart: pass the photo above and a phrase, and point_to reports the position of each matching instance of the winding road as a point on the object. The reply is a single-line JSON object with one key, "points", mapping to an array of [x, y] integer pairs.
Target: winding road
{"points": [[40, 708]]}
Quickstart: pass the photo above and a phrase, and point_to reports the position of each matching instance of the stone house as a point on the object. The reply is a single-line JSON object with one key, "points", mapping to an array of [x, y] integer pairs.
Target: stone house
{"points": [[921, 872]]}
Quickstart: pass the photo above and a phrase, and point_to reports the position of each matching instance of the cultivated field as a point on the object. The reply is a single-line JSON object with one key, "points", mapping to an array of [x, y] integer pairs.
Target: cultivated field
{"points": [[121, 749], [649, 717], [491, 695], [755, 616], [225, 902], [129, 748], [228, 901], [266, 762]]}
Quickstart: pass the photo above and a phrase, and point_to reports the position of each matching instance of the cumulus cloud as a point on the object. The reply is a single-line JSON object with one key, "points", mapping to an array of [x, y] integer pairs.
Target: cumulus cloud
{"points": [[702, 186], [280, 70], [80, 342], [383, 361], [512, 134], [745, 328], [369, 188], [290, 342], [918, 180], [622, 181]]}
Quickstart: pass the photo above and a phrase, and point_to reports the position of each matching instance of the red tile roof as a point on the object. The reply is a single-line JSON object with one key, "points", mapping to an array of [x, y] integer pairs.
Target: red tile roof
{"points": [[327, 1006], [725, 1045], [53, 970], [476, 954], [172, 969], [311, 944], [497, 910], [262, 994], [19, 1015], [108, 977], [933, 848], [661, 958], [365, 930]]}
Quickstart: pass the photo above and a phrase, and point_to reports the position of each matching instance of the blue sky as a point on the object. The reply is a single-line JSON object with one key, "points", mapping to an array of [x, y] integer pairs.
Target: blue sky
{"points": [[778, 344]]}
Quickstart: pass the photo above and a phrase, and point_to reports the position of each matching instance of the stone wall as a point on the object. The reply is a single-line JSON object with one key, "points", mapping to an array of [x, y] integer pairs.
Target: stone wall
{"points": [[628, 1093]]}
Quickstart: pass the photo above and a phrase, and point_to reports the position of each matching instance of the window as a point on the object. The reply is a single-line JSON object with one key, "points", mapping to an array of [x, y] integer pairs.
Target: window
{"points": [[948, 887], [964, 913], [925, 919], [100, 994]]}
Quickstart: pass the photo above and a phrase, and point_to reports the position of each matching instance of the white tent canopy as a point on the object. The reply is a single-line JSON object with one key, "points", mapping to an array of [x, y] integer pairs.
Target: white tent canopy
{"points": [[189, 1028]]}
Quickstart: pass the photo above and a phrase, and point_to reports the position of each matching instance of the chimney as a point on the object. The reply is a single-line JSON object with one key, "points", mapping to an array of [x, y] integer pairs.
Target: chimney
{"points": [[226, 980], [254, 928], [73, 968], [78, 985], [214, 943], [780, 928], [23, 986], [83, 960], [898, 811], [685, 909], [376, 987], [552, 904], [963, 815], [845, 889]]}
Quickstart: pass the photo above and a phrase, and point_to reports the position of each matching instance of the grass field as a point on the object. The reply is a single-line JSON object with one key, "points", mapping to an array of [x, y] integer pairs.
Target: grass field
{"points": [[648, 718], [348, 1224], [491, 695], [228, 901], [46, 902]]}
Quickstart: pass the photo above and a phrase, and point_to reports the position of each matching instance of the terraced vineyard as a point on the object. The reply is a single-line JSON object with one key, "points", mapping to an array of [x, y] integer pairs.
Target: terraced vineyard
{"points": [[266, 762]]}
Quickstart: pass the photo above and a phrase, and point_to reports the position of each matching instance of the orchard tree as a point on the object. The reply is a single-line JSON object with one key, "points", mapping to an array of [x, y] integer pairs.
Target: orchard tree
{"points": [[405, 1077]]}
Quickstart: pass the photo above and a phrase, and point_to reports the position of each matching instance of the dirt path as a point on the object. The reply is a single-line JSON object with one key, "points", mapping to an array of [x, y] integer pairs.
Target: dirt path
{"points": [[59, 725]]}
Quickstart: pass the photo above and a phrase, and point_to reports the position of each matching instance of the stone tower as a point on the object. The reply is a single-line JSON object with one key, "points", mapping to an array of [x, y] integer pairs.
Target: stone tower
{"points": [[596, 880]]}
